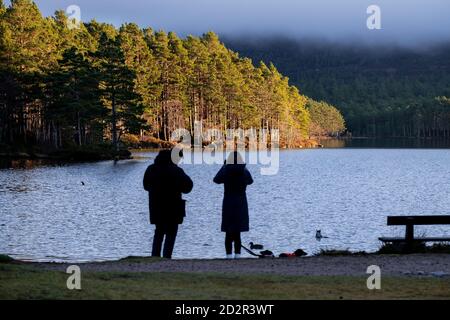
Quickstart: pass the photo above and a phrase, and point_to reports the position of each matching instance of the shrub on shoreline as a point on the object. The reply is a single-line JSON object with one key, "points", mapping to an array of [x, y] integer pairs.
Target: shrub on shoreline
{"points": [[5, 258], [420, 247]]}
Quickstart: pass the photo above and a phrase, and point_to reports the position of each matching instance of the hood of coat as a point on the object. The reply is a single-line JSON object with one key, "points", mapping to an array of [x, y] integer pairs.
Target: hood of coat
{"points": [[164, 158]]}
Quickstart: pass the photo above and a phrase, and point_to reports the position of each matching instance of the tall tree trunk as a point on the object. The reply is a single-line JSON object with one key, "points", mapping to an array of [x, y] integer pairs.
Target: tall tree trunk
{"points": [[79, 128], [114, 122]]}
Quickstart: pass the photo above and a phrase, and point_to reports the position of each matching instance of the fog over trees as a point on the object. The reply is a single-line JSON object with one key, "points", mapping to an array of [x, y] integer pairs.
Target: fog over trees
{"points": [[382, 90]]}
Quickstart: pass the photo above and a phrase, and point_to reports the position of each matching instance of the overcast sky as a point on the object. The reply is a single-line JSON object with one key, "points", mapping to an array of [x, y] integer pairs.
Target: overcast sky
{"points": [[403, 21]]}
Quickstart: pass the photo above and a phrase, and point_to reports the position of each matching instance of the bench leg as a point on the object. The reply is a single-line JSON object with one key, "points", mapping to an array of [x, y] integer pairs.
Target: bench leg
{"points": [[409, 237]]}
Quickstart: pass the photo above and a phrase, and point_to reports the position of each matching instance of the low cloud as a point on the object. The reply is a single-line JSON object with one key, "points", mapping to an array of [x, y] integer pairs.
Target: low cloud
{"points": [[409, 22]]}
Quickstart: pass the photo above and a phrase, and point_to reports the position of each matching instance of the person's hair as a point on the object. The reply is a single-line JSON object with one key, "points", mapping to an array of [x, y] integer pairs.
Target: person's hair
{"points": [[235, 158]]}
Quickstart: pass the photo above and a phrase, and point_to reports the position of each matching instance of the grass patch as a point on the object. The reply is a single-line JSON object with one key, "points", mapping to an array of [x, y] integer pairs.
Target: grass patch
{"points": [[29, 282]]}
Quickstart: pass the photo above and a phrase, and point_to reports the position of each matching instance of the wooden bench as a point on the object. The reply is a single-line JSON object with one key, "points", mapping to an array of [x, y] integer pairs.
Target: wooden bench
{"points": [[410, 222]]}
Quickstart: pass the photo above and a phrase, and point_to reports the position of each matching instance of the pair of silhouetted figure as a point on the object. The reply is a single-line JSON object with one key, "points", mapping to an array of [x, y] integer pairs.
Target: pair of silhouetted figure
{"points": [[166, 182]]}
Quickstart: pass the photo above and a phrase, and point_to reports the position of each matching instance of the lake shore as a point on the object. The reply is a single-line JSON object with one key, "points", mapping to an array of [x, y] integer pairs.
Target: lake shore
{"points": [[88, 153], [437, 265], [415, 276], [33, 158]]}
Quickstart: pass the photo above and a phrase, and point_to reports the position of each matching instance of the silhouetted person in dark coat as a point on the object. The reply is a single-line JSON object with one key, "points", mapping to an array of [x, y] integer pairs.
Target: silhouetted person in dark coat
{"points": [[235, 176], [165, 182]]}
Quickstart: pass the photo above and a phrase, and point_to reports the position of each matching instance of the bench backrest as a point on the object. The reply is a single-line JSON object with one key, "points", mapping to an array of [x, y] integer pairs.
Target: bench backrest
{"points": [[417, 220]]}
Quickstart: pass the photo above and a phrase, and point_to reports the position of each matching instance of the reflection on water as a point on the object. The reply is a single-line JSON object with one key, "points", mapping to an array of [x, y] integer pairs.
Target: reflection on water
{"points": [[46, 213], [21, 163]]}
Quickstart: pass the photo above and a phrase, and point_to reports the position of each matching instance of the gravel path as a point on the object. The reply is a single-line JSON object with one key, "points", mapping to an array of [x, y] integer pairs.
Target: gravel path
{"points": [[437, 265]]}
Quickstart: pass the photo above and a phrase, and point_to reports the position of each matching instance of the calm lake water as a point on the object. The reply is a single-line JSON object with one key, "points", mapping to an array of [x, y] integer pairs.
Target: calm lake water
{"points": [[46, 214]]}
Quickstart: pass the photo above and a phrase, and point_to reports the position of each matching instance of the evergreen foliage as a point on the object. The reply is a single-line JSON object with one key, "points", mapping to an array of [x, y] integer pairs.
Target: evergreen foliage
{"points": [[382, 91], [65, 87]]}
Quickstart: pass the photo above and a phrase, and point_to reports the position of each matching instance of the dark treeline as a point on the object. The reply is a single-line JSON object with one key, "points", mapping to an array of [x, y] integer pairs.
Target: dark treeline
{"points": [[63, 86], [381, 91]]}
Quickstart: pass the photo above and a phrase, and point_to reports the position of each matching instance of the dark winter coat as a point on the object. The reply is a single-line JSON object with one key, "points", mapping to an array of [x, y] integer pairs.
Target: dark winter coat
{"points": [[165, 182], [236, 178]]}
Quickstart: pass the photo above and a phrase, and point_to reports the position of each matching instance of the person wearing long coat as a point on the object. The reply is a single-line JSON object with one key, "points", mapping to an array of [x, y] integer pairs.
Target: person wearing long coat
{"points": [[165, 182], [235, 218]]}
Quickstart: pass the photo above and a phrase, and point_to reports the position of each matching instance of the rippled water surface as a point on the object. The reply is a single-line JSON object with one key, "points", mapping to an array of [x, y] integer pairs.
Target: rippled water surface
{"points": [[47, 214]]}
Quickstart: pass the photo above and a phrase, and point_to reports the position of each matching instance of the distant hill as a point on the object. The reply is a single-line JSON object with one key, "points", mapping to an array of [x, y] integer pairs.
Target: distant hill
{"points": [[381, 91]]}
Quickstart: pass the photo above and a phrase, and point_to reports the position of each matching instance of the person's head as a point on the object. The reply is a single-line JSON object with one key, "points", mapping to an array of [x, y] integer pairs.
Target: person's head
{"points": [[235, 158], [164, 157]]}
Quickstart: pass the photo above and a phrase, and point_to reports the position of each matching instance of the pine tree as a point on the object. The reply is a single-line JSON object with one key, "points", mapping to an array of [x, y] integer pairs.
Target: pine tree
{"points": [[139, 58], [68, 38], [117, 89], [27, 38], [200, 58], [60, 85], [78, 101], [180, 67], [325, 119], [27, 51]]}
